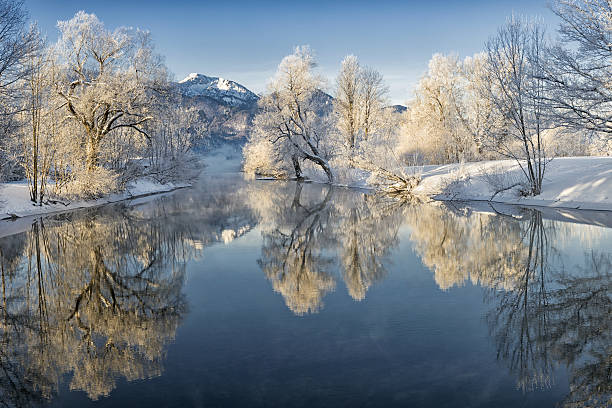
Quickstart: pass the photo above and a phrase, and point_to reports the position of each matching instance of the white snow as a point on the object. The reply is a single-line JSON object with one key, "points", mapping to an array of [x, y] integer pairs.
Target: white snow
{"points": [[223, 84], [15, 199], [220, 89], [569, 182], [189, 77]]}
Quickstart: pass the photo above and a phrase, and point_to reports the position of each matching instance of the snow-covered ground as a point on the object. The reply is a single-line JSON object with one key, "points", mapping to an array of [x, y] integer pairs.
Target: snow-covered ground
{"points": [[16, 207], [583, 183], [15, 199], [569, 182]]}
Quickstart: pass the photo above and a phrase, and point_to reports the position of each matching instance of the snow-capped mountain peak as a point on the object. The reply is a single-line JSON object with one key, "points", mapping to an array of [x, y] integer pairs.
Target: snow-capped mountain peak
{"points": [[190, 77], [223, 90]]}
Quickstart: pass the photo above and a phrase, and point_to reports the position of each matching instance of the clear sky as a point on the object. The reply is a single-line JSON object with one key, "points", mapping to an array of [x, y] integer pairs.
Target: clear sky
{"points": [[244, 40]]}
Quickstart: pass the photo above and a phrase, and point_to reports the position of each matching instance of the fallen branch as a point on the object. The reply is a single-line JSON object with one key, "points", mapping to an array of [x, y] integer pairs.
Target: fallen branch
{"points": [[501, 190]]}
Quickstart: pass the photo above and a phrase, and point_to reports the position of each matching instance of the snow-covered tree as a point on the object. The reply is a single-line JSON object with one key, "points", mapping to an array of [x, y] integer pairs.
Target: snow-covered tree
{"points": [[110, 79], [580, 67], [94, 111], [366, 128], [17, 43], [265, 158], [289, 117], [177, 127], [450, 115], [436, 111], [347, 102], [361, 97], [35, 139], [475, 109], [373, 92]]}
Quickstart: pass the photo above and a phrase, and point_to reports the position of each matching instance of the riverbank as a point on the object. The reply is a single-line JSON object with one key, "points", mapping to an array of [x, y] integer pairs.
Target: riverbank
{"points": [[569, 182], [15, 200]]}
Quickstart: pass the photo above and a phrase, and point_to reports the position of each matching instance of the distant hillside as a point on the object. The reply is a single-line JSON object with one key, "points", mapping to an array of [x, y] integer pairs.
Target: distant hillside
{"points": [[228, 108], [221, 90], [398, 108], [324, 102]]}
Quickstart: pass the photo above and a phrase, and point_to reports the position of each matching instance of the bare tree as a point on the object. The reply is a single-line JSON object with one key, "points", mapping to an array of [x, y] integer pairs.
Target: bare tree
{"points": [[175, 129], [17, 42], [36, 137], [514, 58], [580, 67]]}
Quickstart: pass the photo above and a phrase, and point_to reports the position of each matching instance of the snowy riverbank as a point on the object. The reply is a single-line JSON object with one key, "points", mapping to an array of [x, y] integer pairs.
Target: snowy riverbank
{"points": [[16, 207], [570, 182], [15, 199]]}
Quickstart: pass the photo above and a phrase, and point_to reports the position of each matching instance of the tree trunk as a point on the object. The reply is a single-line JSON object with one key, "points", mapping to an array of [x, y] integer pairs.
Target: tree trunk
{"points": [[297, 168], [296, 196], [324, 165], [34, 192], [93, 151]]}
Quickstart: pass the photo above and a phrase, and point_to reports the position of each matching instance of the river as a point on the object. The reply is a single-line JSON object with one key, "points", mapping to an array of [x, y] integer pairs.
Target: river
{"points": [[268, 293]]}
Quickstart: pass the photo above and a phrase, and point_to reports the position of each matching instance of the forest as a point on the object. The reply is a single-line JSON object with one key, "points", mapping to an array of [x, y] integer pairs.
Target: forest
{"points": [[84, 116], [526, 97], [98, 109]]}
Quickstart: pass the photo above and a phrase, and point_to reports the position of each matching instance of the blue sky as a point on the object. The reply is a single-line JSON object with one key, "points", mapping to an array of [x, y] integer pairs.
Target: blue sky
{"points": [[245, 40]]}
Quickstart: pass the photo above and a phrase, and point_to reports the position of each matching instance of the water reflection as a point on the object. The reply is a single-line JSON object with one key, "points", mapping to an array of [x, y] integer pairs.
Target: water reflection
{"points": [[303, 239], [95, 295], [544, 312], [293, 252], [99, 295]]}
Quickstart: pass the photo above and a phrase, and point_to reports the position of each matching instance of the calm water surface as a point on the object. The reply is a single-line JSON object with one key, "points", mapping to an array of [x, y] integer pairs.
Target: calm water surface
{"points": [[260, 293]]}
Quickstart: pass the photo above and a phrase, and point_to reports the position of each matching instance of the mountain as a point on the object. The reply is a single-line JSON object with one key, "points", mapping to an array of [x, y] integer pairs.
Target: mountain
{"points": [[225, 107], [323, 102], [398, 108], [221, 90]]}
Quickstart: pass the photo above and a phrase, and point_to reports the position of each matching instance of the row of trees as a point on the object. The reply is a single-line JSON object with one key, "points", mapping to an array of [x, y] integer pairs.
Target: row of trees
{"points": [[524, 97], [86, 115], [301, 129]]}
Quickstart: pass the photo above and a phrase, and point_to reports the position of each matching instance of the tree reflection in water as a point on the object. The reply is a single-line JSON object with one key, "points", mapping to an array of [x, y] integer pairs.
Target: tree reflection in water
{"points": [[98, 296], [293, 253], [544, 312], [318, 231], [558, 315]]}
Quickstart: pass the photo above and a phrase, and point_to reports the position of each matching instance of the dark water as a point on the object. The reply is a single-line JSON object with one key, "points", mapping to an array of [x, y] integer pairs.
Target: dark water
{"points": [[261, 293]]}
